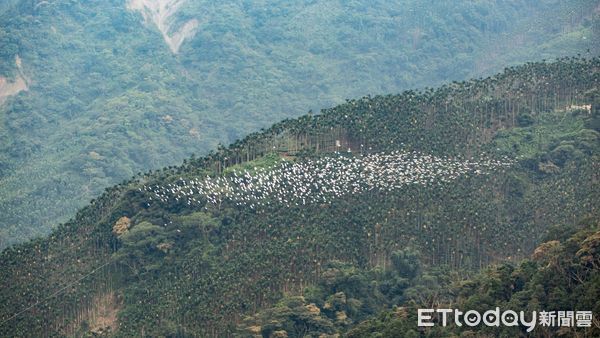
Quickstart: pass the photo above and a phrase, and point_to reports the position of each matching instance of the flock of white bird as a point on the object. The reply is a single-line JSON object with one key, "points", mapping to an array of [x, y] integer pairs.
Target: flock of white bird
{"points": [[323, 180]]}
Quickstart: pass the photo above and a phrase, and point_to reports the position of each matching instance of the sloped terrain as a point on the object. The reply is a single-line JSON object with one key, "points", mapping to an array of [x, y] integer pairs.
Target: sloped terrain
{"points": [[186, 254], [11, 87], [161, 13], [118, 87]]}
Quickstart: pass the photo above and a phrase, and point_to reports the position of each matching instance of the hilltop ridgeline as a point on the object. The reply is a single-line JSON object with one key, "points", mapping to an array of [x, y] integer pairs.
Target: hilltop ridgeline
{"points": [[124, 266]]}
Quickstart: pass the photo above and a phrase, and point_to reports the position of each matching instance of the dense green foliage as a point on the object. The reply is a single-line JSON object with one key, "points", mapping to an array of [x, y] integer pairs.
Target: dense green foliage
{"points": [[564, 273], [171, 269], [107, 98]]}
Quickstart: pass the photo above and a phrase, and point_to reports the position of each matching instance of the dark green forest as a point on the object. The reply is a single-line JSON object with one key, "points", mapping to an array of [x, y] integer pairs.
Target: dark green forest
{"points": [[523, 237], [106, 97]]}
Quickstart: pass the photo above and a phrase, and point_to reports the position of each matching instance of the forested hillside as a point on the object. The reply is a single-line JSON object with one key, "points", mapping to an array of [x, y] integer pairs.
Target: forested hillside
{"points": [[93, 92], [562, 273], [270, 237]]}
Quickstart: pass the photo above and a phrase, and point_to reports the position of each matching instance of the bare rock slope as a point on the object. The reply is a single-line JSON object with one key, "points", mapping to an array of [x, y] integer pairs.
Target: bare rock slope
{"points": [[162, 14]]}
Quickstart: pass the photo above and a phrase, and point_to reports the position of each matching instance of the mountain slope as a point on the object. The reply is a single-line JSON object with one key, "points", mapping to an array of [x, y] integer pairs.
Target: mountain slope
{"points": [[562, 274], [108, 96], [178, 252]]}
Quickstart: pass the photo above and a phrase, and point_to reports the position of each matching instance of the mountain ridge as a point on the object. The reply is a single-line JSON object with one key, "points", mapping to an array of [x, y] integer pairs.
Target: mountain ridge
{"points": [[104, 82], [181, 270]]}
